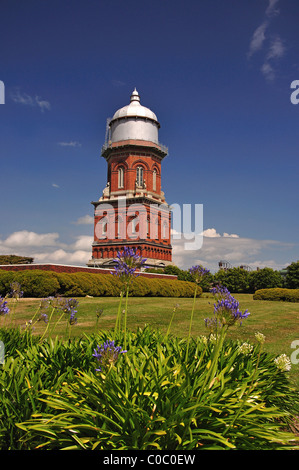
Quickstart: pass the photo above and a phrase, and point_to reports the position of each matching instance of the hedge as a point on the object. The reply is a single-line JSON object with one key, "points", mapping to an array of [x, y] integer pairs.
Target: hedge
{"points": [[288, 295], [40, 283]]}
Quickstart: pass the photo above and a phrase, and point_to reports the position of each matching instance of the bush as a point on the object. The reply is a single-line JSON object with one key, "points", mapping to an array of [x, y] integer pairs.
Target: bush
{"points": [[39, 283], [288, 295], [35, 283]]}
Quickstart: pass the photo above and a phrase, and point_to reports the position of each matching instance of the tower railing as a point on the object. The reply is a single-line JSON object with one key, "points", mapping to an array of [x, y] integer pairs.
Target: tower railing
{"points": [[109, 145]]}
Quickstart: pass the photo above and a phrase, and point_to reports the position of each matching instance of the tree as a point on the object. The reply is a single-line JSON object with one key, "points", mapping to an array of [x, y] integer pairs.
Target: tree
{"points": [[292, 277], [265, 278], [235, 279]]}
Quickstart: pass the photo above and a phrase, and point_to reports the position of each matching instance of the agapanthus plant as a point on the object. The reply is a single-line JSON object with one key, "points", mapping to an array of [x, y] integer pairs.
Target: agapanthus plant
{"points": [[220, 291], [197, 272], [4, 310], [16, 290], [127, 263], [107, 354], [227, 311]]}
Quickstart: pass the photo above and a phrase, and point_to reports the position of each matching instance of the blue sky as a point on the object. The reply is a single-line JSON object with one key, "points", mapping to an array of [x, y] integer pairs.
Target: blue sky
{"points": [[218, 75]]}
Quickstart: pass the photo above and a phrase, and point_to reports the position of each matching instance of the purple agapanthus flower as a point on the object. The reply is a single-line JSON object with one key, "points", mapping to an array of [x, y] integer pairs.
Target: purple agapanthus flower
{"points": [[198, 272], [16, 291], [126, 264], [73, 320], [4, 310], [107, 354], [220, 291], [43, 317], [228, 312], [69, 306]]}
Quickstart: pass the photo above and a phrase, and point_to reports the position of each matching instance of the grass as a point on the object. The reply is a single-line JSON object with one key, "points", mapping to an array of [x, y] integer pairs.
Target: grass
{"points": [[278, 321]]}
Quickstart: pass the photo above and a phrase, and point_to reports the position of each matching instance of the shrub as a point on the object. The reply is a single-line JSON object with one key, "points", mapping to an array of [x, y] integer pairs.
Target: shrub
{"points": [[288, 295], [35, 283], [6, 277], [39, 283]]}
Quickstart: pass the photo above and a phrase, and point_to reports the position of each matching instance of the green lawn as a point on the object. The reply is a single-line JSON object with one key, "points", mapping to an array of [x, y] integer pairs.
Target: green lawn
{"points": [[278, 321]]}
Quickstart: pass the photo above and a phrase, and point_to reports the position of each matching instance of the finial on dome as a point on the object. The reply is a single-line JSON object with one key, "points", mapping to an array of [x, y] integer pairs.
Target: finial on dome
{"points": [[135, 96]]}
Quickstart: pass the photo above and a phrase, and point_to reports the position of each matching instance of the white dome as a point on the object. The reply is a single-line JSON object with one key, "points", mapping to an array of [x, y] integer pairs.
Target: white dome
{"points": [[134, 121], [135, 109]]}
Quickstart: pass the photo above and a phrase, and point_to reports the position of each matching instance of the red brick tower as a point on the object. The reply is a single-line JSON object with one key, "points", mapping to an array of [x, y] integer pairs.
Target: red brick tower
{"points": [[132, 210]]}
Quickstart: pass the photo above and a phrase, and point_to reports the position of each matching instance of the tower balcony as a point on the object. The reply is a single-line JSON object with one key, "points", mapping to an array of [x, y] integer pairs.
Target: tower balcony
{"points": [[109, 146]]}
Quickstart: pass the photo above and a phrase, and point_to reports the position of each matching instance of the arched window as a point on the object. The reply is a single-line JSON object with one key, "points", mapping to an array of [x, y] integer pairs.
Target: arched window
{"points": [[134, 225], [121, 177], [139, 176], [155, 180], [104, 228]]}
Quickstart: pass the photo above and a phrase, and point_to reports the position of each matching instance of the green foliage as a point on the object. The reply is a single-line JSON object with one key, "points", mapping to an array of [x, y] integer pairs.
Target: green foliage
{"points": [[14, 259], [288, 295], [40, 283], [292, 277], [151, 398], [184, 275], [235, 279], [35, 283], [265, 278], [239, 280]]}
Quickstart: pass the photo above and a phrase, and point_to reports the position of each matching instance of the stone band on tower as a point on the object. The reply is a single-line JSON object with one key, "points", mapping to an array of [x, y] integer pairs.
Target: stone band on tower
{"points": [[132, 210]]}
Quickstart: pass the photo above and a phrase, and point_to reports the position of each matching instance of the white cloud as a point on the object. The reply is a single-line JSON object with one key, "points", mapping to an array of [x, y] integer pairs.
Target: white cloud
{"points": [[72, 143], [55, 185], [268, 71], [258, 38], [276, 49], [85, 220], [24, 238], [78, 257], [27, 100], [46, 247], [231, 247], [211, 233], [271, 10], [83, 242], [237, 250]]}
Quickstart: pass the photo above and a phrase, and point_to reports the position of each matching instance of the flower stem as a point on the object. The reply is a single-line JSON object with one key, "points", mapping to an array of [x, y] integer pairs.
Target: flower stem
{"points": [[49, 321], [191, 320], [118, 318], [126, 311]]}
